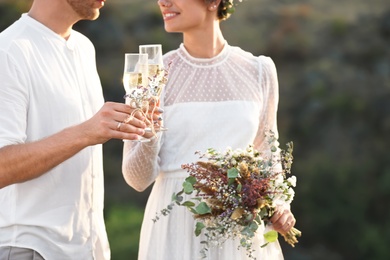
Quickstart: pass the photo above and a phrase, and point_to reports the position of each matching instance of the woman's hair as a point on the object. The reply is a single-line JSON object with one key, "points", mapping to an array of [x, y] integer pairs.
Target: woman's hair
{"points": [[225, 8]]}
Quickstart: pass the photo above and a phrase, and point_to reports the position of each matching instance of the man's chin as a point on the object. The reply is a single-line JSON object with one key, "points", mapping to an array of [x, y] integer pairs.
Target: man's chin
{"points": [[95, 15]]}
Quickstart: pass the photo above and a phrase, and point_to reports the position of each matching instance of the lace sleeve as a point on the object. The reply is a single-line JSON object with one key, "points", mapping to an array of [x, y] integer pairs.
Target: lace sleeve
{"points": [[140, 165], [268, 117], [270, 91]]}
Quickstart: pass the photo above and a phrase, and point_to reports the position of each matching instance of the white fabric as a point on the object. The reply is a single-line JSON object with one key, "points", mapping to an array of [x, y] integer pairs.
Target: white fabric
{"points": [[48, 84], [228, 100]]}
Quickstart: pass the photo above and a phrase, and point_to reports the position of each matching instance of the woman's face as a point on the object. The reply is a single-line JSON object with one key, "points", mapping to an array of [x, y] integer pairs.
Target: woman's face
{"points": [[185, 15]]}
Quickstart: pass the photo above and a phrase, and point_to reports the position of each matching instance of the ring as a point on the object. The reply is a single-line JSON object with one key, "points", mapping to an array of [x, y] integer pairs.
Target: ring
{"points": [[118, 125]]}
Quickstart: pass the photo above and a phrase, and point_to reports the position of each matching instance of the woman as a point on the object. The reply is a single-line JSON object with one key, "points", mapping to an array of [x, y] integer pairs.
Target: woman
{"points": [[216, 96]]}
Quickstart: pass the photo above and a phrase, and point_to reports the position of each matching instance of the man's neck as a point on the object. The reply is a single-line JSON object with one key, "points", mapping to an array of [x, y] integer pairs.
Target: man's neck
{"points": [[52, 17]]}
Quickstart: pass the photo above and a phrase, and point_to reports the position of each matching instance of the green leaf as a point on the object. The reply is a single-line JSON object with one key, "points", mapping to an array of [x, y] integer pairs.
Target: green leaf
{"points": [[230, 10], [271, 236], [232, 173], [253, 226], [176, 197], [203, 208], [188, 203], [187, 187], [239, 187], [243, 242], [247, 232], [193, 211], [198, 228], [191, 179]]}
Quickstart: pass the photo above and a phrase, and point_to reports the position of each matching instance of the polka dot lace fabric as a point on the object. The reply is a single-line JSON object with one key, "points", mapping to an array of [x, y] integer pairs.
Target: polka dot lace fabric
{"points": [[212, 80]]}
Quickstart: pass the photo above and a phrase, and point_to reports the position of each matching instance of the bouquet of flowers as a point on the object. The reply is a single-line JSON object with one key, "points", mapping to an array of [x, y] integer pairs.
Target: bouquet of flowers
{"points": [[235, 191]]}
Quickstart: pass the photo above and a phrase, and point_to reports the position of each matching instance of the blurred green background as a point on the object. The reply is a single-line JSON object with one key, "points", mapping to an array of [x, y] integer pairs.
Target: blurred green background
{"points": [[333, 61]]}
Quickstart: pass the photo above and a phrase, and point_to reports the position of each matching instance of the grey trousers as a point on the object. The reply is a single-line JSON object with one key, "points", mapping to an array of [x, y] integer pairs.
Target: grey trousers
{"points": [[17, 253]]}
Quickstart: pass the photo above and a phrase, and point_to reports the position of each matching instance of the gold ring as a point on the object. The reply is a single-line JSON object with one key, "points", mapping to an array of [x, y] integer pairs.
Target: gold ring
{"points": [[118, 125]]}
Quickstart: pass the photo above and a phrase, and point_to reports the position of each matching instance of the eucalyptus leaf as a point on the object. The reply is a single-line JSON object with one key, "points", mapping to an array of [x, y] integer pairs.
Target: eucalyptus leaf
{"points": [[191, 179], [203, 208], [188, 203], [193, 211], [253, 226], [179, 199], [176, 197], [232, 173], [198, 228], [187, 187]]}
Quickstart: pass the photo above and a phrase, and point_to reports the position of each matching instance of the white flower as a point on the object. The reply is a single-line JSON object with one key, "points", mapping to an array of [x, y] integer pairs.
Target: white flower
{"points": [[279, 180], [292, 181]]}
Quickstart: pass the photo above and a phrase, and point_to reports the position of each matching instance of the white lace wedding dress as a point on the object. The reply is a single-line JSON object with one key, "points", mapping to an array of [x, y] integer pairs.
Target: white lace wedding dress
{"points": [[228, 100]]}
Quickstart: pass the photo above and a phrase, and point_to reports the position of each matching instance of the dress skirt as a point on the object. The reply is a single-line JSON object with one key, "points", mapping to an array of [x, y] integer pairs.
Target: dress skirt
{"points": [[172, 237]]}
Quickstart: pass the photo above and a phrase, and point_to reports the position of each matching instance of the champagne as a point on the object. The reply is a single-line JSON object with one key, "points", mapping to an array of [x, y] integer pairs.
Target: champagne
{"points": [[131, 80], [155, 70]]}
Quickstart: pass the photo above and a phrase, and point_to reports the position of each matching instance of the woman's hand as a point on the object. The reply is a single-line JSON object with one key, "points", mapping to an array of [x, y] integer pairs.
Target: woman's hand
{"points": [[282, 220], [154, 118]]}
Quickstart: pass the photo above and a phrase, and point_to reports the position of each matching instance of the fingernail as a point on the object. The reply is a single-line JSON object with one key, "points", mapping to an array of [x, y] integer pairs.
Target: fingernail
{"points": [[160, 110]]}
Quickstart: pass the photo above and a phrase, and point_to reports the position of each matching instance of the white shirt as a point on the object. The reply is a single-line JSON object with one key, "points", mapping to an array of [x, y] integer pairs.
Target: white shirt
{"points": [[48, 84]]}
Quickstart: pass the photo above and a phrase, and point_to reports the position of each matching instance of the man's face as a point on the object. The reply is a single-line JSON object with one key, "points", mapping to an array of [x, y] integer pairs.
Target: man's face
{"points": [[86, 9]]}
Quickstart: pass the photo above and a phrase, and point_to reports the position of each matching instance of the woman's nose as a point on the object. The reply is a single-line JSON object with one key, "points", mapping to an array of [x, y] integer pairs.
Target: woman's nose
{"points": [[164, 3]]}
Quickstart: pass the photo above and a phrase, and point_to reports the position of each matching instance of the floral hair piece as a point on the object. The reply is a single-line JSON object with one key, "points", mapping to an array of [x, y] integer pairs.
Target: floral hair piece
{"points": [[225, 9], [229, 5]]}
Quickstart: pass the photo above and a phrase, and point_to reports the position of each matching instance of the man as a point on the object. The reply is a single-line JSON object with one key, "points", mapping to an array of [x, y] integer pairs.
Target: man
{"points": [[53, 121]]}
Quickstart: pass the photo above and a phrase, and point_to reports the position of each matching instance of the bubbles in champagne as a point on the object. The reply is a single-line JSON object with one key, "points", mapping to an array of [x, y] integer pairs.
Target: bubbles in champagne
{"points": [[132, 80], [156, 70]]}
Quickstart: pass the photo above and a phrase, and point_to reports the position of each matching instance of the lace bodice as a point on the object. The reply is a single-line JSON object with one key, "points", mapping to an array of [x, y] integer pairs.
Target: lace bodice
{"points": [[227, 100], [217, 79]]}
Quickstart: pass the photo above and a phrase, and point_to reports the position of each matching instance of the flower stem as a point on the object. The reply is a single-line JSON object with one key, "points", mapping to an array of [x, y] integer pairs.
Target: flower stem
{"points": [[291, 236]]}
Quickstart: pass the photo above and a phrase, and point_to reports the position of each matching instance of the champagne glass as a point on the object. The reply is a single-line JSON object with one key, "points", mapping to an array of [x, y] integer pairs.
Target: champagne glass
{"points": [[156, 71], [135, 76], [135, 82]]}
